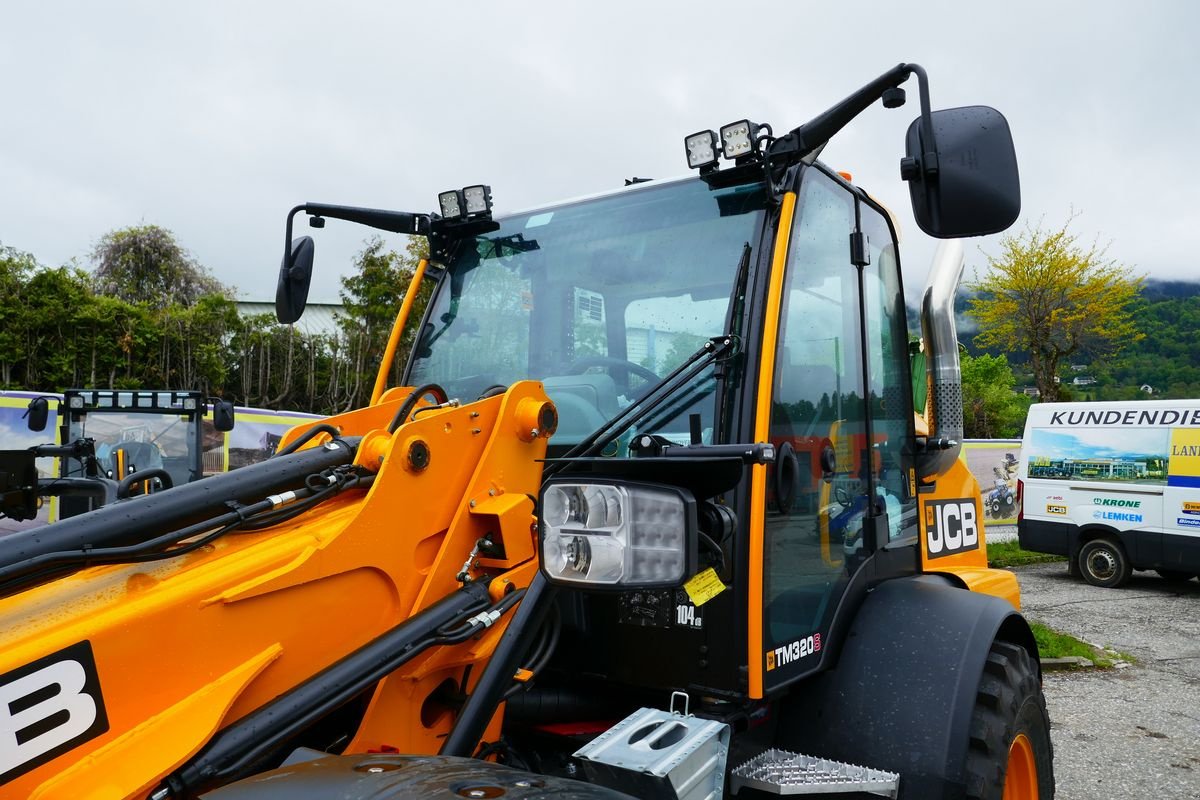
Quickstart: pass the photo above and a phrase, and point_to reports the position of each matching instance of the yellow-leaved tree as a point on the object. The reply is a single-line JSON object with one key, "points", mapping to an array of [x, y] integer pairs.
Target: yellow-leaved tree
{"points": [[1052, 298]]}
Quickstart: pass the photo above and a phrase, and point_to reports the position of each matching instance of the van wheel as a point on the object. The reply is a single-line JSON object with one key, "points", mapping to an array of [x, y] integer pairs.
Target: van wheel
{"points": [[1175, 576], [1102, 562], [1010, 754]]}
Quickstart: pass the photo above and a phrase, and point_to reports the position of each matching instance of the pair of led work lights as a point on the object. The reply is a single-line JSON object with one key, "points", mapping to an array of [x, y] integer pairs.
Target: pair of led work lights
{"points": [[467, 203], [736, 140]]}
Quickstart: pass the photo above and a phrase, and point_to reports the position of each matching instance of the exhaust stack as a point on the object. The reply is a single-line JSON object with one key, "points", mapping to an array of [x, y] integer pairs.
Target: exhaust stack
{"points": [[944, 403]]}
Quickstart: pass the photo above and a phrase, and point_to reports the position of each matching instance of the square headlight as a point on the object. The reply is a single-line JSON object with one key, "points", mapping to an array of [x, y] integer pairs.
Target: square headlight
{"points": [[609, 534], [701, 149], [451, 204], [737, 139], [478, 199]]}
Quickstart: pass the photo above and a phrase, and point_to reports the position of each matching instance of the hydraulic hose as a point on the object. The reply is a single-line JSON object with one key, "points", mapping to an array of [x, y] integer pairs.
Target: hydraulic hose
{"points": [[253, 741], [410, 402], [139, 519]]}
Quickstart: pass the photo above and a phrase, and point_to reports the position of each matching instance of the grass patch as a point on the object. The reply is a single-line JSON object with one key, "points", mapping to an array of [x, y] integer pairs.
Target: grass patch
{"points": [[1009, 554], [1054, 644]]}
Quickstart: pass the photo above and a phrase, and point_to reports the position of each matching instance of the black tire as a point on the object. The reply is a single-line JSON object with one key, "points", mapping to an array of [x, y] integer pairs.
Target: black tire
{"points": [[1103, 562], [1175, 576], [1010, 729]]}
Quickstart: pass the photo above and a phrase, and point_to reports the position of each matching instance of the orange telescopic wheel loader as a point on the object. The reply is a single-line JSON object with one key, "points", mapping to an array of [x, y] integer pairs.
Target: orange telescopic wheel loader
{"points": [[576, 554]]}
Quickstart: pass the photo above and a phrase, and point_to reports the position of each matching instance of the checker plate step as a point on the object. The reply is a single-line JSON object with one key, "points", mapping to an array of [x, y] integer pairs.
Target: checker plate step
{"points": [[781, 772]]}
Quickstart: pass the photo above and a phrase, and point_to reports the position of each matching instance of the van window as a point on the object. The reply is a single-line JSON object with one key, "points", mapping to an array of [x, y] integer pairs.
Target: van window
{"points": [[1116, 455]]}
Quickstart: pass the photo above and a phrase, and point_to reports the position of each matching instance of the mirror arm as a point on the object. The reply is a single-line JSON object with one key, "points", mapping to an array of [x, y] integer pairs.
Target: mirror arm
{"points": [[287, 236], [930, 165], [813, 134], [392, 221]]}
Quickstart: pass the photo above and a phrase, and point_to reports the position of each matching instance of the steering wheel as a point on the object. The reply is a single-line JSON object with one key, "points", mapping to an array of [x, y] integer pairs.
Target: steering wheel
{"points": [[843, 497], [581, 365]]}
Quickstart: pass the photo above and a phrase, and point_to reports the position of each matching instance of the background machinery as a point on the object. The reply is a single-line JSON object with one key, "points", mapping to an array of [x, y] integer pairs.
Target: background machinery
{"points": [[113, 444]]}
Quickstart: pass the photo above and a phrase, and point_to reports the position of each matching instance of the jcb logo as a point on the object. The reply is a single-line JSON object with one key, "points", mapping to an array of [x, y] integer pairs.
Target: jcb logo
{"points": [[951, 527], [48, 707]]}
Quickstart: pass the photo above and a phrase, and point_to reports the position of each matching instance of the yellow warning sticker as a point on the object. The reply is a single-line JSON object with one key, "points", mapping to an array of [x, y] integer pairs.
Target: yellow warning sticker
{"points": [[704, 586]]}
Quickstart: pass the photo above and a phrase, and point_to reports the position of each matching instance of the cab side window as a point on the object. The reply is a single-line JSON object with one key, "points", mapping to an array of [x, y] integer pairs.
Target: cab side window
{"points": [[890, 398], [815, 498]]}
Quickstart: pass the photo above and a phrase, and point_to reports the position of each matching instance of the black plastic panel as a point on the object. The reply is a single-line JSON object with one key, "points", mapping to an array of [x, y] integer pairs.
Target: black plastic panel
{"points": [[379, 777]]}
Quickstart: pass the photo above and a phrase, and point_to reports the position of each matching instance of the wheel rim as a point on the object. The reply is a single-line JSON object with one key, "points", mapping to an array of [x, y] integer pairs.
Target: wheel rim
{"points": [[1020, 781], [1102, 564]]}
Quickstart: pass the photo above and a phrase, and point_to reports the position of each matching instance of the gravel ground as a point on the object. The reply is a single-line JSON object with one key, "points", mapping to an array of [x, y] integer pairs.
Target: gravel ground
{"points": [[1123, 733]]}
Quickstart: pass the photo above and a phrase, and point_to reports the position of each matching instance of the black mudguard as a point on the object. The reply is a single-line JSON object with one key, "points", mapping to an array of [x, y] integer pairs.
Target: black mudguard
{"points": [[378, 777], [901, 695]]}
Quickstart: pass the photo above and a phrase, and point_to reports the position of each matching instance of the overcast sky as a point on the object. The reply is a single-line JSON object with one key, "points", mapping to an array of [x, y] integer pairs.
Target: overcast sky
{"points": [[213, 119]]}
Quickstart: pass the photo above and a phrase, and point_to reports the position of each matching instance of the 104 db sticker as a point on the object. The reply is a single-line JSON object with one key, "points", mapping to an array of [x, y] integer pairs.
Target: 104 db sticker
{"points": [[951, 527], [48, 707]]}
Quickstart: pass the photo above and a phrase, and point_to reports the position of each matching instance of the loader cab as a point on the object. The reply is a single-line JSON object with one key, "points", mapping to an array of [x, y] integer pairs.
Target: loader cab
{"points": [[598, 299], [134, 431], [602, 297]]}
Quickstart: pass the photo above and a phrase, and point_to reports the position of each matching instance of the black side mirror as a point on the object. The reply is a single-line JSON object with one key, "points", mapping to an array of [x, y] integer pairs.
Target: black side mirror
{"points": [[967, 184], [37, 413], [295, 275], [222, 412]]}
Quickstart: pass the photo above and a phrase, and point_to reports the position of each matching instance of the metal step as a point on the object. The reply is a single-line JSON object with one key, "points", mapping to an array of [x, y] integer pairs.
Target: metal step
{"points": [[781, 772]]}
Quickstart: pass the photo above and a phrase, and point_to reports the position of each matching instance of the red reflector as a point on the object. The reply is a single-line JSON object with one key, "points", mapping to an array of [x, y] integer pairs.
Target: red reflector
{"points": [[587, 728], [1020, 499]]}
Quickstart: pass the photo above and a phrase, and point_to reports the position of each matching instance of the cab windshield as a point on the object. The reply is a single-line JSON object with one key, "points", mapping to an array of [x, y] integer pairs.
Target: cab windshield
{"points": [[597, 299]]}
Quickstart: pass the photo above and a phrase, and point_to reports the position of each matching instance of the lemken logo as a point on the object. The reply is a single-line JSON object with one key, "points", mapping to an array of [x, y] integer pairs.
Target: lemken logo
{"points": [[1108, 501], [1117, 516]]}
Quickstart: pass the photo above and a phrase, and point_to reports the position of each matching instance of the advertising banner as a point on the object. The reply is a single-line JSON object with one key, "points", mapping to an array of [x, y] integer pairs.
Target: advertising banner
{"points": [[994, 462]]}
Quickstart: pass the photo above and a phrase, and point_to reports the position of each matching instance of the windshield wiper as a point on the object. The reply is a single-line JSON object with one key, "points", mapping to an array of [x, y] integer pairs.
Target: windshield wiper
{"points": [[718, 348]]}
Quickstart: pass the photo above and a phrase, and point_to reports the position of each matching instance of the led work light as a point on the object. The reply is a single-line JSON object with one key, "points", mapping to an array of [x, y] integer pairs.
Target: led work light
{"points": [[451, 203], [478, 199], [701, 149], [617, 535], [739, 139]]}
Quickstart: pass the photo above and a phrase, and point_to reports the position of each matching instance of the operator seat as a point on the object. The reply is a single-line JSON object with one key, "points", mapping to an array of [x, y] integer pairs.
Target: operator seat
{"points": [[584, 403], [138, 456]]}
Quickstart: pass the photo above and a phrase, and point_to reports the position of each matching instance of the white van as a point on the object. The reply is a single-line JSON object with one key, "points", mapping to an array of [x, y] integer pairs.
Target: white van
{"points": [[1113, 486]]}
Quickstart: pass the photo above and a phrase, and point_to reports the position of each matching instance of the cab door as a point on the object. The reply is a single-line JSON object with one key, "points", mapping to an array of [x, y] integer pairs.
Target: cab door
{"points": [[839, 415]]}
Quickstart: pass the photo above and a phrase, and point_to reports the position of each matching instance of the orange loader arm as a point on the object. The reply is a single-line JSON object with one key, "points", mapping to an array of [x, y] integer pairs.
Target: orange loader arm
{"points": [[116, 675]]}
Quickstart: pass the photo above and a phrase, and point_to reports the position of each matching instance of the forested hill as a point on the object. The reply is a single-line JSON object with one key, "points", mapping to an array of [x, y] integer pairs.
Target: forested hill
{"points": [[1167, 359], [1170, 290]]}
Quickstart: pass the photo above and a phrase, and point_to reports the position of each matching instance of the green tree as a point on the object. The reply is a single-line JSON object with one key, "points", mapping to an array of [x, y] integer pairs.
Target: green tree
{"points": [[1053, 298], [371, 299], [991, 409], [145, 264], [54, 301], [16, 267]]}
